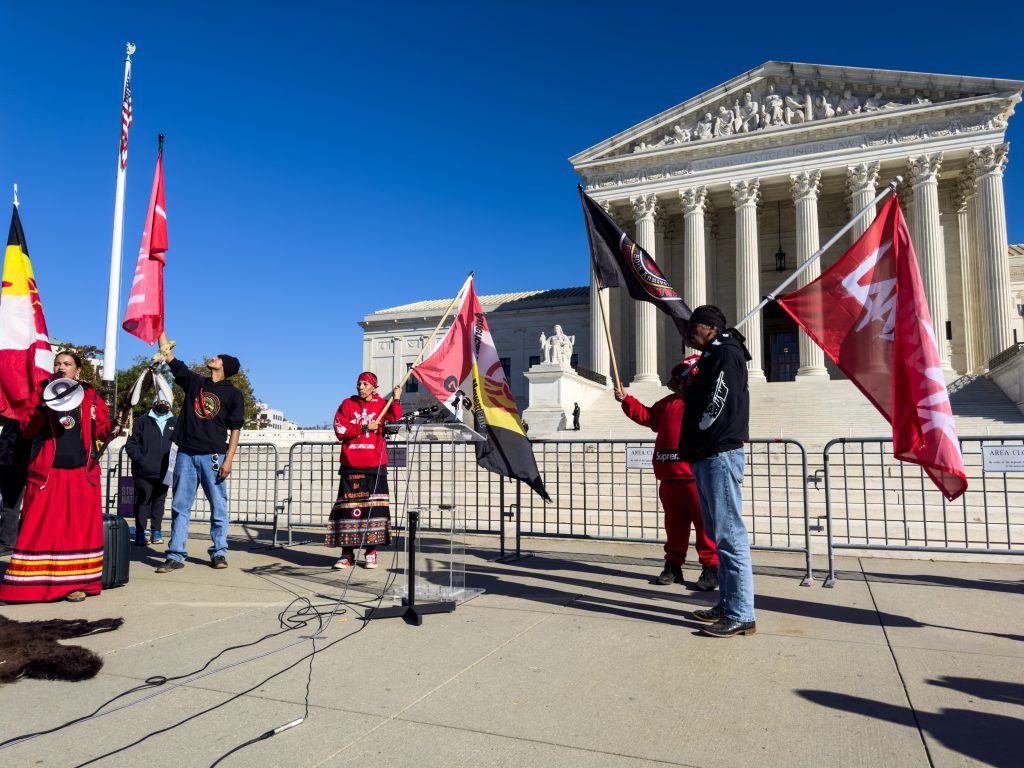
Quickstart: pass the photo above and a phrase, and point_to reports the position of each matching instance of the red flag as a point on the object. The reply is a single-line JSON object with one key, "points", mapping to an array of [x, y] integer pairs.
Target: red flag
{"points": [[26, 357], [869, 314], [144, 315], [467, 360]]}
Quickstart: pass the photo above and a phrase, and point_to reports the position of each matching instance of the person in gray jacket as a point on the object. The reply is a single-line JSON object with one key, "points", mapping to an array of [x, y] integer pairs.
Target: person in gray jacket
{"points": [[149, 448]]}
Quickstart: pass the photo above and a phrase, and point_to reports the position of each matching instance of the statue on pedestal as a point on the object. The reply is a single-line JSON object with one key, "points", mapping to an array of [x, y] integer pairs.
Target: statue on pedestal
{"points": [[557, 348]]}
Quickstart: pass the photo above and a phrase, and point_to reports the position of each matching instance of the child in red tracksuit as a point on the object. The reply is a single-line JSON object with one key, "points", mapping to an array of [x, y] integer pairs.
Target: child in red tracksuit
{"points": [[678, 491]]}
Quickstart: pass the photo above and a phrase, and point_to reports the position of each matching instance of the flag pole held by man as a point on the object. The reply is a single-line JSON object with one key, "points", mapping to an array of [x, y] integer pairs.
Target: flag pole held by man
{"points": [[869, 314]]}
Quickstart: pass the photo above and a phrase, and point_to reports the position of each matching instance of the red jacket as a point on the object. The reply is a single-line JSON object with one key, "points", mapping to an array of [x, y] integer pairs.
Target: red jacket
{"points": [[361, 450], [665, 417], [95, 428]]}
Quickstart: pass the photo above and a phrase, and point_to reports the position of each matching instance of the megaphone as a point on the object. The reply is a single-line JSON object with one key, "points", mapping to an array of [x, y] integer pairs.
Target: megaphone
{"points": [[63, 395]]}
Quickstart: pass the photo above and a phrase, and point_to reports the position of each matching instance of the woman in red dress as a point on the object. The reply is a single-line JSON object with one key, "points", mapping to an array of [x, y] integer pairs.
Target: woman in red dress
{"points": [[59, 553], [361, 517]]}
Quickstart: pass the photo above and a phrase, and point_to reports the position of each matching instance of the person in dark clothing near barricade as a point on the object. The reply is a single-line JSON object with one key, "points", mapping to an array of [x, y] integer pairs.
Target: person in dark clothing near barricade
{"points": [[14, 457], [211, 409], [149, 448], [715, 427], [576, 416]]}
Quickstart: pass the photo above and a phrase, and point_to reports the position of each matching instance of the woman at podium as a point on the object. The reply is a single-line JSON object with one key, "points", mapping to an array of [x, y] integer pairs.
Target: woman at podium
{"points": [[361, 516], [59, 553]]}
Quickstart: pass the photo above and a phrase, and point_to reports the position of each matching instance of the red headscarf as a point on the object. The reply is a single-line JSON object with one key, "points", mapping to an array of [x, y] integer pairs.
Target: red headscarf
{"points": [[369, 377]]}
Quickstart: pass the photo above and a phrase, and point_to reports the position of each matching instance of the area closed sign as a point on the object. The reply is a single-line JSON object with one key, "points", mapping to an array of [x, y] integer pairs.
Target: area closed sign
{"points": [[639, 457], [1003, 458]]}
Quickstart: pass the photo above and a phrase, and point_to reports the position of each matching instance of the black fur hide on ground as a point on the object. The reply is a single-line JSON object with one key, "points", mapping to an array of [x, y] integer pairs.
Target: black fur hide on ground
{"points": [[30, 649]]}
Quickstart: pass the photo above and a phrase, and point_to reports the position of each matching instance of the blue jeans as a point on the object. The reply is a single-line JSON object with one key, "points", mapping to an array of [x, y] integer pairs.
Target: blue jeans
{"points": [[191, 470], [719, 483]]}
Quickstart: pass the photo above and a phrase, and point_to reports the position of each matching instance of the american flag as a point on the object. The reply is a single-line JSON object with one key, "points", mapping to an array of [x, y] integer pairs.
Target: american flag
{"points": [[126, 119]]}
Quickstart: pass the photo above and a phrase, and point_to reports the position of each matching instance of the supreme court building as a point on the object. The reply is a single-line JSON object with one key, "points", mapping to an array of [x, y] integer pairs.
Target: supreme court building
{"points": [[732, 189]]}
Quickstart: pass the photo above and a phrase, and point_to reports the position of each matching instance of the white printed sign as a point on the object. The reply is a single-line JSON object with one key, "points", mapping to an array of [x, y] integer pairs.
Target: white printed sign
{"points": [[169, 477], [639, 457], [1003, 458]]}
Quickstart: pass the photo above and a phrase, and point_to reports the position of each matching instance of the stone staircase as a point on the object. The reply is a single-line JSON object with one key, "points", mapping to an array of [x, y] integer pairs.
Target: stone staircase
{"points": [[812, 412]]}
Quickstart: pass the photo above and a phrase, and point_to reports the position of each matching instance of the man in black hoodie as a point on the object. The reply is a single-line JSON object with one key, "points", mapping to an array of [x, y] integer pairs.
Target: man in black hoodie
{"points": [[212, 408], [715, 427]]}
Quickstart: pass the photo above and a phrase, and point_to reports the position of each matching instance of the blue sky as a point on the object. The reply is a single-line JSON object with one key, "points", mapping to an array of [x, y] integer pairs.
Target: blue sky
{"points": [[325, 160]]}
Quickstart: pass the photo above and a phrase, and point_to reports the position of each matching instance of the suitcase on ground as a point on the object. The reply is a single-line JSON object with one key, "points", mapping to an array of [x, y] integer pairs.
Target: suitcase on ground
{"points": [[116, 551]]}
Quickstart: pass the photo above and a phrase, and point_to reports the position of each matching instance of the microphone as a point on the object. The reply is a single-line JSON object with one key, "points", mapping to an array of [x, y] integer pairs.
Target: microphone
{"points": [[419, 412]]}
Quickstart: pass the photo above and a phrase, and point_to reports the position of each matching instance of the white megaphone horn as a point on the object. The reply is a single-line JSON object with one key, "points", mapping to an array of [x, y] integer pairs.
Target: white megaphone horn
{"points": [[63, 395]]}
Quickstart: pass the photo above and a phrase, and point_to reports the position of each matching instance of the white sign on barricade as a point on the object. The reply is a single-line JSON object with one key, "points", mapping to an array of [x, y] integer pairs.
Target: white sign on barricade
{"points": [[639, 457], [1003, 458]]}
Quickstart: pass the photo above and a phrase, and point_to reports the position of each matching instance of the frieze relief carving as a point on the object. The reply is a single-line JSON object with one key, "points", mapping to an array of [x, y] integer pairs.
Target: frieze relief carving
{"points": [[776, 104]]}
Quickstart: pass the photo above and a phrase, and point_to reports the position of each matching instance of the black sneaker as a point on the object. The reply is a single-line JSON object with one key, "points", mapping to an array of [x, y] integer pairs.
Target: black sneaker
{"points": [[672, 574], [219, 562], [170, 565], [708, 615], [708, 579]]}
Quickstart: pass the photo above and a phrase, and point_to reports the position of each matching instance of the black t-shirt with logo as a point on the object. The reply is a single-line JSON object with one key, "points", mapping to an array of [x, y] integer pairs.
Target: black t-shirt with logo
{"points": [[209, 411], [69, 450]]}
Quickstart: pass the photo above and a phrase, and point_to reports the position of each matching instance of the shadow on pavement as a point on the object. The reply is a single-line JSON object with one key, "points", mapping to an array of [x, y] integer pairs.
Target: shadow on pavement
{"points": [[980, 736]]}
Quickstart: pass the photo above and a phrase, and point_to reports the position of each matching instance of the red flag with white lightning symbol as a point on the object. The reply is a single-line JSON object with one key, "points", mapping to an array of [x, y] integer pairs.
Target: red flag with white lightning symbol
{"points": [[144, 316], [869, 314]]}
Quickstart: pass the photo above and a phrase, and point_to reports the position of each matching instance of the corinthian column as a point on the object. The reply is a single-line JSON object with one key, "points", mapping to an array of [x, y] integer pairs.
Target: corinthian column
{"points": [[645, 209], [695, 280], [929, 247], [711, 250], [805, 187], [599, 360], [987, 165], [861, 183], [745, 195], [599, 355], [973, 342]]}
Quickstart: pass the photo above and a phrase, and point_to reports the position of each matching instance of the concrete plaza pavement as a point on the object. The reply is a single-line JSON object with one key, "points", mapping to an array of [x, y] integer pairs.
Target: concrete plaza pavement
{"points": [[572, 657]]}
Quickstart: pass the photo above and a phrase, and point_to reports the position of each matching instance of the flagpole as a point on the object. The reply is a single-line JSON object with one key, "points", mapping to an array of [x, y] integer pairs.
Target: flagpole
{"points": [[426, 344], [600, 304], [114, 289], [890, 188]]}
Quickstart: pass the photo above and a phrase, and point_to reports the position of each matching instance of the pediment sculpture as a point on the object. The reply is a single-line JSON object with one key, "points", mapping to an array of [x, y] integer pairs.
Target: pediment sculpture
{"points": [[765, 108]]}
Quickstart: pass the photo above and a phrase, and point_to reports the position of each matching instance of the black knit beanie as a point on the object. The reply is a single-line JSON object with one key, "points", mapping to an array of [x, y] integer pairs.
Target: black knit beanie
{"points": [[231, 365], [708, 315]]}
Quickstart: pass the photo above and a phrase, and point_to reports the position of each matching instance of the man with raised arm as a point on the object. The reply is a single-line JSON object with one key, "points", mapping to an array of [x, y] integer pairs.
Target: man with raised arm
{"points": [[212, 409]]}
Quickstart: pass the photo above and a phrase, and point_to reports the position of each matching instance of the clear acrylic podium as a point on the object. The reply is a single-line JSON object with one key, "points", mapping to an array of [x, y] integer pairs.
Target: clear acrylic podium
{"points": [[434, 577]]}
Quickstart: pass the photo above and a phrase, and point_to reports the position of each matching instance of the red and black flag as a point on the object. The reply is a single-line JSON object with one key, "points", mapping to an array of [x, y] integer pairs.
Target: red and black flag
{"points": [[467, 361], [619, 261]]}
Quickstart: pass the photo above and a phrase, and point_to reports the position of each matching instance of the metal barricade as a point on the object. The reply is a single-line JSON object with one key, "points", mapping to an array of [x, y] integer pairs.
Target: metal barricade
{"points": [[253, 486], [875, 502], [593, 493]]}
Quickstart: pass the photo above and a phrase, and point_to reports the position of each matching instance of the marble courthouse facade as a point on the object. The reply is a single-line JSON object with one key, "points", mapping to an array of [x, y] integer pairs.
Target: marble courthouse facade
{"points": [[734, 188]]}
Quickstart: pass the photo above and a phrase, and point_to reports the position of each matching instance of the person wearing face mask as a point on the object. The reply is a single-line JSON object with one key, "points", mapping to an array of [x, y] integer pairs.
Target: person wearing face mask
{"points": [[149, 448], [59, 552]]}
